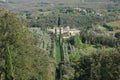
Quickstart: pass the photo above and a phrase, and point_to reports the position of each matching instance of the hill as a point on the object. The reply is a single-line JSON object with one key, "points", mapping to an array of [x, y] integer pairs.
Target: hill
{"points": [[18, 5]]}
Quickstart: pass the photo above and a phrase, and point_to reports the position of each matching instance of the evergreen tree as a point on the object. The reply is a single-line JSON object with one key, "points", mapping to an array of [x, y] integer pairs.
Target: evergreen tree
{"points": [[59, 21], [8, 64]]}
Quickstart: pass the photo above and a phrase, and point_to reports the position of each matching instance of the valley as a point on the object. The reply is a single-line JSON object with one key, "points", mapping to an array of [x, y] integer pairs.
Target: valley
{"points": [[59, 40]]}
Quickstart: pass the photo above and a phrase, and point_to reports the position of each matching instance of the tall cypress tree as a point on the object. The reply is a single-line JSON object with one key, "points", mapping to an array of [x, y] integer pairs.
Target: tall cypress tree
{"points": [[8, 65], [59, 21], [60, 40]]}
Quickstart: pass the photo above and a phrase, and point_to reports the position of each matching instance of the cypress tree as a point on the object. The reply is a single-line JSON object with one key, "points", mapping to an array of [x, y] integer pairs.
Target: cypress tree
{"points": [[8, 65], [59, 21]]}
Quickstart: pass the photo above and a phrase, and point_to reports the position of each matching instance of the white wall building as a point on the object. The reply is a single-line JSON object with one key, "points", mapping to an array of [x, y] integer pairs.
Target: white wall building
{"points": [[70, 32]]}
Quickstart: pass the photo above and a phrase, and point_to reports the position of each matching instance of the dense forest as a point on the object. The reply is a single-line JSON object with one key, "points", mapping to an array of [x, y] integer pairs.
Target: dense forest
{"points": [[60, 41]]}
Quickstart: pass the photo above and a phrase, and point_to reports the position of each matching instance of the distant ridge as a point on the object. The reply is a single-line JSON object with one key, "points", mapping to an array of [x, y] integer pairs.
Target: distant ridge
{"points": [[61, 0]]}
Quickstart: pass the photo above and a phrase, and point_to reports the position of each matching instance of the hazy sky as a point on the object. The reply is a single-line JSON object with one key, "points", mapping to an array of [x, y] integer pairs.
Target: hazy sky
{"points": [[4, 0]]}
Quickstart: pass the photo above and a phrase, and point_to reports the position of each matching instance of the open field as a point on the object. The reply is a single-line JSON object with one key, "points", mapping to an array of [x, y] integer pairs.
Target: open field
{"points": [[114, 24]]}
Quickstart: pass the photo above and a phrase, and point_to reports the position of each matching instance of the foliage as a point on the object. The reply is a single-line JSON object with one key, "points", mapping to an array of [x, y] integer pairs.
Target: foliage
{"points": [[117, 34], [101, 65], [86, 17], [28, 60], [92, 36], [77, 41]]}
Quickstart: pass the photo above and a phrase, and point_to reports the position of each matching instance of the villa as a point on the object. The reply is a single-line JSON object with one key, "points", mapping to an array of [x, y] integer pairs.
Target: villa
{"points": [[69, 32]]}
